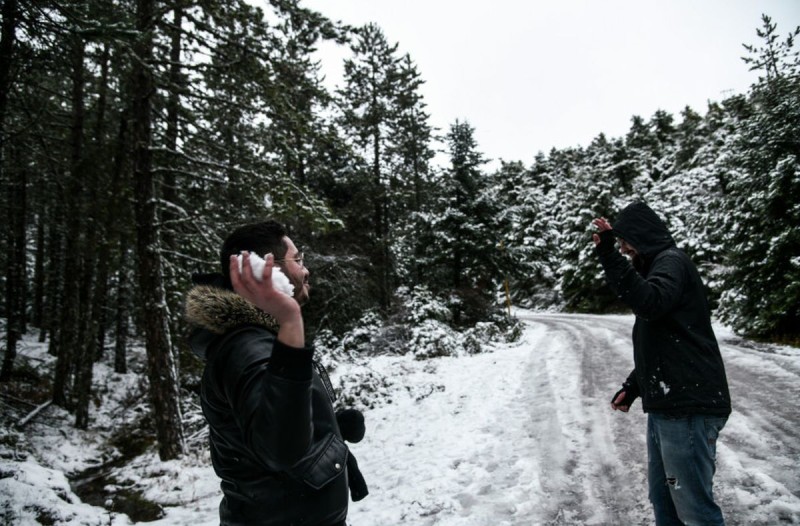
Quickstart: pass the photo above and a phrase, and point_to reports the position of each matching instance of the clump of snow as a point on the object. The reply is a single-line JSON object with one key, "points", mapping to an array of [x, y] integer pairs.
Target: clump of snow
{"points": [[279, 279]]}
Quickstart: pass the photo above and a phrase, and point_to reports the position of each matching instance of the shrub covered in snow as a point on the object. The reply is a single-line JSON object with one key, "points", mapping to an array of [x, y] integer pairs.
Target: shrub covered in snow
{"points": [[419, 304], [420, 328], [362, 336], [432, 338]]}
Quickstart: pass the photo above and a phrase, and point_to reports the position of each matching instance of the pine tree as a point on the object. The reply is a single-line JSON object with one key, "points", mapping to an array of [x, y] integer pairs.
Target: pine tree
{"points": [[642, 146], [690, 201], [526, 230], [368, 99], [465, 248], [161, 369], [409, 147], [588, 192], [762, 295], [70, 319], [14, 183], [689, 139]]}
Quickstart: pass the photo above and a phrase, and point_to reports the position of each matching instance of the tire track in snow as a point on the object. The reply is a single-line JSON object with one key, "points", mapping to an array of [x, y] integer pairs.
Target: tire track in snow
{"points": [[758, 478], [590, 455], [759, 449], [535, 443]]}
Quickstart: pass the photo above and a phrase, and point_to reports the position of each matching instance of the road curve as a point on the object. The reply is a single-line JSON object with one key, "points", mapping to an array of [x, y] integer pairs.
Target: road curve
{"points": [[595, 458]]}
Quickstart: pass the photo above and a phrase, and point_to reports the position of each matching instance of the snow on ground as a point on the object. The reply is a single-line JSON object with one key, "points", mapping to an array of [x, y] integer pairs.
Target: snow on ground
{"points": [[522, 435]]}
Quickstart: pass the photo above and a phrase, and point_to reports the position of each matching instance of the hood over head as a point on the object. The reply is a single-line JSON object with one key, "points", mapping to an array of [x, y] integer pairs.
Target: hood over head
{"points": [[641, 227]]}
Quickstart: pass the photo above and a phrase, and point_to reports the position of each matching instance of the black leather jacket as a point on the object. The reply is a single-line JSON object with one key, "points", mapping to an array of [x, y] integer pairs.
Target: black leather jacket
{"points": [[274, 438]]}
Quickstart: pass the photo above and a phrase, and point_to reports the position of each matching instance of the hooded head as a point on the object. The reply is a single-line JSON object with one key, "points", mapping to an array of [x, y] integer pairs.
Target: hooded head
{"points": [[642, 229]]}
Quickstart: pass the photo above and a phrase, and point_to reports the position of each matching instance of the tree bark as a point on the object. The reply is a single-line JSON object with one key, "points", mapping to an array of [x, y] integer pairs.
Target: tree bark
{"points": [[15, 187], [170, 187], [170, 192], [55, 268], [117, 198], [39, 279], [95, 261], [122, 311], [15, 275], [162, 374], [70, 316], [118, 230]]}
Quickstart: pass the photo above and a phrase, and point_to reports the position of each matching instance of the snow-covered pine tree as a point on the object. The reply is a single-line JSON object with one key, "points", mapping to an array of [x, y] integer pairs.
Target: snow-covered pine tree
{"points": [[526, 226], [368, 103], [762, 296], [587, 190], [411, 177], [465, 247]]}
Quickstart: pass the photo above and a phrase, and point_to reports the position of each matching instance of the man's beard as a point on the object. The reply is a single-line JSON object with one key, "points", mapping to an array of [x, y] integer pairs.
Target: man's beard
{"points": [[301, 293], [637, 262]]}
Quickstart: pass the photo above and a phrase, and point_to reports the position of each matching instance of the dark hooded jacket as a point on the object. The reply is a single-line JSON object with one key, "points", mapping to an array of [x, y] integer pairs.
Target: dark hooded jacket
{"points": [[274, 438], [678, 366]]}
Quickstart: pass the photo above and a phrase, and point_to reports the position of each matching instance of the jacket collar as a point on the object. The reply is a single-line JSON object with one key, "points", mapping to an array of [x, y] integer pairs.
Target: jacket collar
{"points": [[218, 310]]}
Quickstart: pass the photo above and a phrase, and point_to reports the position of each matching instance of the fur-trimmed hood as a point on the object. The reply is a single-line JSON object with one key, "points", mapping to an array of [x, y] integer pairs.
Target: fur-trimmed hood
{"points": [[214, 311]]}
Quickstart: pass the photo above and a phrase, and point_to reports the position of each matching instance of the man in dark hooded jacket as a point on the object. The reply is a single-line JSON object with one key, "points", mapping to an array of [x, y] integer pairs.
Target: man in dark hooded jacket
{"points": [[678, 370], [275, 440]]}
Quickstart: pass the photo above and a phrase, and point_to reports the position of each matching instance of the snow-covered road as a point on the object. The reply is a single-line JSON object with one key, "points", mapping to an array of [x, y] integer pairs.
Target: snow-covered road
{"points": [[522, 435], [525, 435]]}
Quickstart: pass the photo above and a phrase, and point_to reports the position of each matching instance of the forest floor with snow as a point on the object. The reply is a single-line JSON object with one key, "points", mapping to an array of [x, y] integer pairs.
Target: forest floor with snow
{"points": [[520, 435]]}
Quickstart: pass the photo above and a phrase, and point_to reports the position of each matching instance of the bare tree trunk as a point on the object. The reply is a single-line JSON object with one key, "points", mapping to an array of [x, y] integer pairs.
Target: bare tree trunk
{"points": [[162, 374], [85, 350], [39, 279], [170, 192], [95, 267], [55, 269], [15, 275], [119, 215], [15, 181], [381, 251], [122, 310], [97, 335], [69, 332]]}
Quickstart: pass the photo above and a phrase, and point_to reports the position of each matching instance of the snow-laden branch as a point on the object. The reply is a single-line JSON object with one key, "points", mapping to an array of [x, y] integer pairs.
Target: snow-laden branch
{"points": [[33, 414]]}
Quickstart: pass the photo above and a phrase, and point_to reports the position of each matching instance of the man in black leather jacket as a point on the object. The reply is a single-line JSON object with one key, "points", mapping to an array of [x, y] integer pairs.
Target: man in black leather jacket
{"points": [[275, 439], [678, 370]]}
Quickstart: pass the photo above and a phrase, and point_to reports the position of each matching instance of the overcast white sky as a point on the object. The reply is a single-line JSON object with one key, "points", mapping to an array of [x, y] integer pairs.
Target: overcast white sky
{"points": [[530, 75]]}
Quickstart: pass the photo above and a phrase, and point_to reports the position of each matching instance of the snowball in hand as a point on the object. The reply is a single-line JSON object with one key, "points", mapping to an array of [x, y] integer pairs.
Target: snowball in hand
{"points": [[279, 279]]}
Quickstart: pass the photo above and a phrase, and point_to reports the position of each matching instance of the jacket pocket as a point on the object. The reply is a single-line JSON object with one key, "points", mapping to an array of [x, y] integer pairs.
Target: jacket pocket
{"points": [[327, 461]]}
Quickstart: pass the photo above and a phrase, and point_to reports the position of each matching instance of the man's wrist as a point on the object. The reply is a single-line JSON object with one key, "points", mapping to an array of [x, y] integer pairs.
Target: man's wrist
{"points": [[292, 333], [293, 363], [606, 244]]}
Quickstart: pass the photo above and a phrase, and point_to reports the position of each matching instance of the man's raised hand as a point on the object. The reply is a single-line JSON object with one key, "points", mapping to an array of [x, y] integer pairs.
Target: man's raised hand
{"points": [[266, 297], [602, 225]]}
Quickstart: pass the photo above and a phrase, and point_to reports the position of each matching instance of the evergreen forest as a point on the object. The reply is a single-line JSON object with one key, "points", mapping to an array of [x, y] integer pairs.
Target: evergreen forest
{"points": [[134, 135]]}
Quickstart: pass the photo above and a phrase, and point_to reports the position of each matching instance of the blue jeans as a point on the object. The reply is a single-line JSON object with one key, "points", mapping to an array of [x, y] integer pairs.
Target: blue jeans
{"points": [[681, 453]]}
